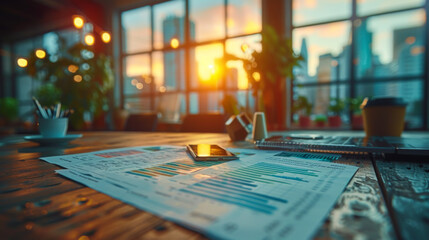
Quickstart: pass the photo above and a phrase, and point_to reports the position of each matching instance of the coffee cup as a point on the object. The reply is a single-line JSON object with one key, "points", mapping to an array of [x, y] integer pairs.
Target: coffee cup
{"points": [[383, 116], [53, 127]]}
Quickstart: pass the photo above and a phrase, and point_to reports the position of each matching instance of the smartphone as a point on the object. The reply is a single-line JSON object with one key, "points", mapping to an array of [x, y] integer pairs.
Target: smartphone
{"points": [[210, 152]]}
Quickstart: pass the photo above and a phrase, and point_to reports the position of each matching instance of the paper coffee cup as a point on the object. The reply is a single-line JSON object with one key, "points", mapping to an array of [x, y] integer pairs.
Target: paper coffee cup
{"points": [[259, 126], [384, 117]]}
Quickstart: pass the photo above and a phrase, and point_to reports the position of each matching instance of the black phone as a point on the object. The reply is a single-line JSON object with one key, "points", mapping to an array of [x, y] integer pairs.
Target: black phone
{"points": [[210, 152]]}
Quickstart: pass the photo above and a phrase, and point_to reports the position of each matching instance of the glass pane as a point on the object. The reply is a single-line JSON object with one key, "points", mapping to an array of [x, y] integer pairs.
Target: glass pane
{"points": [[137, 74], [312, 11], [320, 97], [366, 7], [326, 52], [244, 17], [207, 66], [136, 105], [169, 23], [207, 20], [390, 45], [169, 106], [245, 100], [204, 102], [410, 91], [136, 30], [169, 70], [236, 76], [158, 71]]}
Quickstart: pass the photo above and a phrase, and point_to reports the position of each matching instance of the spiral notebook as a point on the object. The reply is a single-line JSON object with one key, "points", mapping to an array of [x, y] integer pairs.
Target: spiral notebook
{"points": [[348, 145]]}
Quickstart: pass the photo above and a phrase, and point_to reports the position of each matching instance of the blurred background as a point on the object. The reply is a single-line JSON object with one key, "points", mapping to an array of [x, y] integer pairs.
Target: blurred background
{"points": [[114, 62]]}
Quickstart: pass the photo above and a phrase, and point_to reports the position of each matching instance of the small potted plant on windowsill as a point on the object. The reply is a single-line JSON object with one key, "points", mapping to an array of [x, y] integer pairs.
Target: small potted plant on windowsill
{"points": [[336, 106], [320, 120], [357, 120], [302, 107]]}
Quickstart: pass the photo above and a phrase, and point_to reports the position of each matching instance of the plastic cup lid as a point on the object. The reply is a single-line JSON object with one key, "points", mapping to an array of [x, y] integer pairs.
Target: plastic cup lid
{"points": [[385, 101]]}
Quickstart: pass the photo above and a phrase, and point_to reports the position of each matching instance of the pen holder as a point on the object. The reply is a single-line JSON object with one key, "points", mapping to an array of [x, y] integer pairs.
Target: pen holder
{"points": [[53, 127], [259, 126]]}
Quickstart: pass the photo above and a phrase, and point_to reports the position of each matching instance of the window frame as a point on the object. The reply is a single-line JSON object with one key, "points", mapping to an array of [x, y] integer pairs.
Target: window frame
{"points": [[353, 81], [186, 47]]}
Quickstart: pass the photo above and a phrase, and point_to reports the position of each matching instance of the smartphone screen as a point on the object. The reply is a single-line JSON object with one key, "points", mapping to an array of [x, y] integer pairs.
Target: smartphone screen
{"points": [[210, 152]]}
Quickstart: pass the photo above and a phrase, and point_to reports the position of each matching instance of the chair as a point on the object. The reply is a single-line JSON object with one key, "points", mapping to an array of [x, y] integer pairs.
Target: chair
{"points": [[145, 122], [206, 122]]}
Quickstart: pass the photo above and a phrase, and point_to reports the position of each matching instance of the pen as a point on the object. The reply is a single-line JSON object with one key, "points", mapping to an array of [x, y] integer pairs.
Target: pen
{"points": [[39, 108]]}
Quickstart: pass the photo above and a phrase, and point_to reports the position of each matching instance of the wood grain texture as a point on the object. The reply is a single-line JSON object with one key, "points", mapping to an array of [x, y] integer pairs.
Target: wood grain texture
{"points": [[36, 203], [360, 212], [406, 180]]}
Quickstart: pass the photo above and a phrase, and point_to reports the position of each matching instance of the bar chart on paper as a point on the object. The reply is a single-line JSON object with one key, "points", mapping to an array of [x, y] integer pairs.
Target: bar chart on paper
{"points": [[253, 186], [171, 169]]}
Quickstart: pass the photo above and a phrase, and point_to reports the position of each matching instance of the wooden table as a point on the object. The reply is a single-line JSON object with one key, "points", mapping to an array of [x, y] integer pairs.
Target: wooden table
{"points": [[386, 199]]}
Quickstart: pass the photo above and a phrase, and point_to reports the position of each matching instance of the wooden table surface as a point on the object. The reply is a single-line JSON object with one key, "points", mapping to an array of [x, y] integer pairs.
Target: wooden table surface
{"points": [[386, 199]]}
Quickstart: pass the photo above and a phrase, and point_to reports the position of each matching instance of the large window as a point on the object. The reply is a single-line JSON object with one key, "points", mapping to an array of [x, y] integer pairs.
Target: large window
{"points": [[358, 48], [174, 52]]}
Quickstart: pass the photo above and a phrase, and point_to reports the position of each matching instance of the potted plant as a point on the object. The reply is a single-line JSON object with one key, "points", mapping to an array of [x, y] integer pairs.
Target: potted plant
{"points": [[8, 115], [231, 106], [267, 71], [320, 120], [82, 77], [336, 106], [302, 107], [357, 120]]}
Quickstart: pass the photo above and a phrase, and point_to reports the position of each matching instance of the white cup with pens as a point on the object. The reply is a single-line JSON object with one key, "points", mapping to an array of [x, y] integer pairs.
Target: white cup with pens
{"points": [[53, 122]]}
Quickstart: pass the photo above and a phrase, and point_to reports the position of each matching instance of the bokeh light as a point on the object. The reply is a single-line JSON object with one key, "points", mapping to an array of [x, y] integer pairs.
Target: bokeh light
{"points": [[174, 43], [22, 62], [72, 68], [77, 78], [105, 36], [78, 22], [40, 53], [139, 86], [89, 39]]}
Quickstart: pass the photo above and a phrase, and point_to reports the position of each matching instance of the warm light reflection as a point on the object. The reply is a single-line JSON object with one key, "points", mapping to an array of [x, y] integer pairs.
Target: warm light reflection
{"points": [[147, 80], [203, 150], [72, 68], [77, 78], [22, 62], [244, 47], [134, 82], [40, 53], [78, 22], [256, 76], [105, 36], [410, 40], [417, 50], [89, 39], [174, 43], [162, 89], [139, 86]]}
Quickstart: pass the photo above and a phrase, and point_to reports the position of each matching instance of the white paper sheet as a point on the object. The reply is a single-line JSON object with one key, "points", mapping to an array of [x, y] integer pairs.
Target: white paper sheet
{"points": [[264, 195]]}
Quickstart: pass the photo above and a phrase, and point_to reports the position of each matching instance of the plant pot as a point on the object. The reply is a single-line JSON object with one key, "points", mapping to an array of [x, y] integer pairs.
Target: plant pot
{"points": [[334, 121], [319, 123], [357, 122], [304, 121]]}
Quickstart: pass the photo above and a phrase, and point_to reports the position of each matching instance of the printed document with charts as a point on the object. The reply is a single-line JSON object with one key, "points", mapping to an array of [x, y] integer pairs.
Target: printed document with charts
{"points": [[263, 195]]}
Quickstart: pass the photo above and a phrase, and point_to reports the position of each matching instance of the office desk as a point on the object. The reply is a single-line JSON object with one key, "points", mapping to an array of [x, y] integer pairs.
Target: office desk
{"points": [[386, 199]]}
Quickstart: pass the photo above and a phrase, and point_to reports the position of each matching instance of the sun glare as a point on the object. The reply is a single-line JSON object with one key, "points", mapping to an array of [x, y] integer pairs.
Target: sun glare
{"points": [[174, 43]]}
